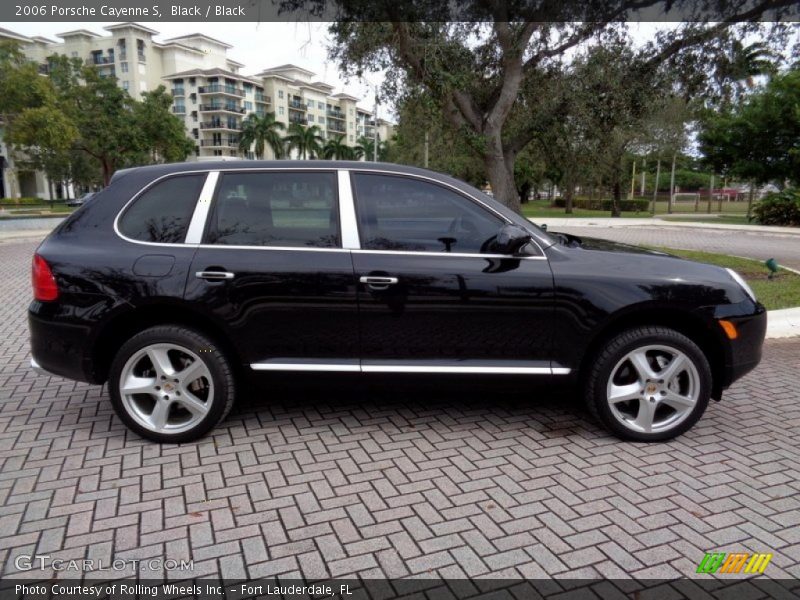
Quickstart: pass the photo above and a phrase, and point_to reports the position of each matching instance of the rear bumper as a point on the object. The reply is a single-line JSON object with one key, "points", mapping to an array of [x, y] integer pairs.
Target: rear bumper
{"points": [[59, 348]]}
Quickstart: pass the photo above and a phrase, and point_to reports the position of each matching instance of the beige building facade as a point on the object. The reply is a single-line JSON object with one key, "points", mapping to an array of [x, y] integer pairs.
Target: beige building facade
{"points": [[211, 95]]}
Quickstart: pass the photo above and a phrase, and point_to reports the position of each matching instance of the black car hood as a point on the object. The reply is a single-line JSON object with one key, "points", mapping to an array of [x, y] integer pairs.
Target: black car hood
{"points": [[590, 243]]}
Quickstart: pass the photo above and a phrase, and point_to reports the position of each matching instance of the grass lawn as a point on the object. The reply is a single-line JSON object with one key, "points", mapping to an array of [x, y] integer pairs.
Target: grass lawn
{"points": [[783, 291], [540, 209]]}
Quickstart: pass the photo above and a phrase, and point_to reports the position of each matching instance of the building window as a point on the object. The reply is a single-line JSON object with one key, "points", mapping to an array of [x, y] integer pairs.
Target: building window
{"points": [[321, 105], [351, 137], [280, 94], [350, 124], [123, 67], [351, 112], [310, 118], [248, 106], [321, 120], [126, 84], [74, 54], [280, 110]]}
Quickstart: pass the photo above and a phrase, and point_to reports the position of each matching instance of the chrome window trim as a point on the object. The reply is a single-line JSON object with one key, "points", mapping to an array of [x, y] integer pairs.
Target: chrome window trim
{"points": [[451, 254], [455, 189], [388, 368], [194, 235], [347, 212], [219, 172]]}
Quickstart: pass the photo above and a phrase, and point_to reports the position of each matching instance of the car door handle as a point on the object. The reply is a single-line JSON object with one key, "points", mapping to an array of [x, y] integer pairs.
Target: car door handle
{"points": [[375, 282], [214, 275]]}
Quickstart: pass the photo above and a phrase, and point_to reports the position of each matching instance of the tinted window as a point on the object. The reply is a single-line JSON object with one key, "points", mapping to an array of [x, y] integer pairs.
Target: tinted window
{"points": [[399, 213], [276, 209], [163, 212]]}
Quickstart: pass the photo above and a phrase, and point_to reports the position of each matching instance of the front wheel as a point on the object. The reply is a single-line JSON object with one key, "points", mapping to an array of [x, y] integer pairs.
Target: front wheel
{"points": [[649, 384], [171, 384]]}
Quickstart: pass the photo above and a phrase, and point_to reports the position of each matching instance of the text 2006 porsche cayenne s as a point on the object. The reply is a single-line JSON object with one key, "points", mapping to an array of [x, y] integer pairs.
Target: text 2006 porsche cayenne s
{"points": [[178, 282]]}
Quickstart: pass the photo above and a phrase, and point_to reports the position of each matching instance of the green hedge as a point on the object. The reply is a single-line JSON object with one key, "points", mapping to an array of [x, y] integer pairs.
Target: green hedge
{"points": [[624, 205], [779, 208], [25, 201]]}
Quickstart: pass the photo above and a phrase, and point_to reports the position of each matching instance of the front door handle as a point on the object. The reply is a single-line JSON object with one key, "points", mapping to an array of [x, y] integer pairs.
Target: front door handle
{"points": [[214, 275], [376, 282]]}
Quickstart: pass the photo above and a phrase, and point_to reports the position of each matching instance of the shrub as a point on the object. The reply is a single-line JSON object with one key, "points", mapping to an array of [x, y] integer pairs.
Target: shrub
{"points": [[21, 201], [624, 205], [779, 208]]}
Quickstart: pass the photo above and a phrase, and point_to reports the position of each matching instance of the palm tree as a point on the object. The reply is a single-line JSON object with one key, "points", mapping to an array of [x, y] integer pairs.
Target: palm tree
{"points": [[262, 131], [366, 148], [306, 140], [336, 149]]}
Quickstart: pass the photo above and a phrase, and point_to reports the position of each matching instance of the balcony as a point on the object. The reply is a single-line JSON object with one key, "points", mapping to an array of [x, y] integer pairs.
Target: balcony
{"points": [[298, 120], [179, 109], [178, 91], [215, 88], [335, 114], [226, 143], [232, 108], [100, 60], [336, 127], [297, 105], [263, 99], [230, 126]]}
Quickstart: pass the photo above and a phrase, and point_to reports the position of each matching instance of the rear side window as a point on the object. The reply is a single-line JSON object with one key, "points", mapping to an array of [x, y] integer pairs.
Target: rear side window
{"points": [[276, 209], [163, 212]]}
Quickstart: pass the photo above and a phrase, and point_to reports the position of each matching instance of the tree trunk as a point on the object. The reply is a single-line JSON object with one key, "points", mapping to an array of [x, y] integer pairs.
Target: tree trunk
{"points": [[615, 210], [500, 170], [108, 171], [524, 192], [569, 194]]}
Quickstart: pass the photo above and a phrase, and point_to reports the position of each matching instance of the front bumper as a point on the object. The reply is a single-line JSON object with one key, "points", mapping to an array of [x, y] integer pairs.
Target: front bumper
{"points": [[744, 352]]}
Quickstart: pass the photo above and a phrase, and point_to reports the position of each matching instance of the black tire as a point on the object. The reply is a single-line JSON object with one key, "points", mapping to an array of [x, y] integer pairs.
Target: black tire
{"points": [[218, 365], [606, 360]]}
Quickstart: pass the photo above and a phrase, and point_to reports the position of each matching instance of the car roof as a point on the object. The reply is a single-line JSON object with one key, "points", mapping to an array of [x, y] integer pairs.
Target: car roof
{"points": [[227, 165]]}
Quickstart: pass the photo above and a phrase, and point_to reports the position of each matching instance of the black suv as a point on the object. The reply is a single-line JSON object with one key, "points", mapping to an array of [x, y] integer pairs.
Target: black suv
{"points": [[177, 282]]}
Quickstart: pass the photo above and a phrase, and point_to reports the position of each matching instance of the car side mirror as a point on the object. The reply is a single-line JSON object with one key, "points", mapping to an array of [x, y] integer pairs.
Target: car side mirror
{"points": [[510, 240]]}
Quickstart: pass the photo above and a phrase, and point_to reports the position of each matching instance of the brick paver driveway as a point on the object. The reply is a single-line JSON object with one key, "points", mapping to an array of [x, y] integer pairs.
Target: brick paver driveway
{"points": [[783, 247], [394, 485]]}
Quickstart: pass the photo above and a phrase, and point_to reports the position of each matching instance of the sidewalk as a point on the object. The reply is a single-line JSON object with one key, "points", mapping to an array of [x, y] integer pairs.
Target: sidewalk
{"points": [[609, 222]]}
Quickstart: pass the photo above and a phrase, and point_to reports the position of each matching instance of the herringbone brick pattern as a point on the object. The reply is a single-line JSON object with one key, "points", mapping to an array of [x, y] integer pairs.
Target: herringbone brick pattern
{"points": [[393, 485]]}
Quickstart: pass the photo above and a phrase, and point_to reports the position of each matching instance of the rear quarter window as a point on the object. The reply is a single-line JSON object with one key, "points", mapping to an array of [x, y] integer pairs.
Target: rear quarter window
{"points": [[162, 213]]}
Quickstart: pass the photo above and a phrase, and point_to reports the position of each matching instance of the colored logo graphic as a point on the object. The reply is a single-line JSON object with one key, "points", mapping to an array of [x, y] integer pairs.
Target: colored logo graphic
{"points": [[734, 562]]}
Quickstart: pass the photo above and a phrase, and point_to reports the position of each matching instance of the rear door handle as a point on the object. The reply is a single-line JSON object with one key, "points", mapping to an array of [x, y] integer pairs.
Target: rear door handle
{"points": [[376, 282], [214, 275]]}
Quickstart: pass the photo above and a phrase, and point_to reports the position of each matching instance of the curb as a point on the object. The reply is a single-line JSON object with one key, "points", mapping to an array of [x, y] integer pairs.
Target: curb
{"points": [[784, 323]]}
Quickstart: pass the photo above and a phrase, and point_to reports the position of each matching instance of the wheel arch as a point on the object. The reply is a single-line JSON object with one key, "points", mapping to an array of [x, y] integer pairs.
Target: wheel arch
{"points": [[126, 324], [694, 326]]}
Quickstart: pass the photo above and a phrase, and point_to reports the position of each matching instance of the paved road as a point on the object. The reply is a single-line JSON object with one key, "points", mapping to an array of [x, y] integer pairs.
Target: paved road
{"points": [[785, 248], [391, 485]]}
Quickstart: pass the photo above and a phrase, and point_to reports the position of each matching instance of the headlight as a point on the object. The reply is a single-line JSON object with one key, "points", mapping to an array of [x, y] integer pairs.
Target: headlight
{"points": [[740, 280]]}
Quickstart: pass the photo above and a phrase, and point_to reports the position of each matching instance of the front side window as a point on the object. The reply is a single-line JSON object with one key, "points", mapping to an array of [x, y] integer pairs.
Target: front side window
{"points": [[401, 213], [162, 213], [276, 209]]}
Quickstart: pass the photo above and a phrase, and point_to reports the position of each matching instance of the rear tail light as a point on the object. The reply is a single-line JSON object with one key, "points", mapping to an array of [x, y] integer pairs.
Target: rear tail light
{"points": [[44, 283]]}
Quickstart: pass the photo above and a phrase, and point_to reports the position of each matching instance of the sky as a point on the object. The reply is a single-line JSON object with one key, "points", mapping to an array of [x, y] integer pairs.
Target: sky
{"points": [[257, 45]]}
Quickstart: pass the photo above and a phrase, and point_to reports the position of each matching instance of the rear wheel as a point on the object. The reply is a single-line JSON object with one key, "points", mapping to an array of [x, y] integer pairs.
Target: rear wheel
{"points": [[171, 384], [649, 384]]}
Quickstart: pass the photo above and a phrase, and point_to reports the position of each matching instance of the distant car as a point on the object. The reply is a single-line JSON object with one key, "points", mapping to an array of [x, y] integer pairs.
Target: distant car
{"points": [[190, 281], [74, 202]]}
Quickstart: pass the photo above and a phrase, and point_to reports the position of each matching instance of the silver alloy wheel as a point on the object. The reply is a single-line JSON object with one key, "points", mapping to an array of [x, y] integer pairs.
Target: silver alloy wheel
{"points": [[653, 388], [166, 388]]}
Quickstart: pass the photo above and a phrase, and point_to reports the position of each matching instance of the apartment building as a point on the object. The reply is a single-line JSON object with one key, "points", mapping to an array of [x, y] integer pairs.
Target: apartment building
{"points": [[211, 94]]}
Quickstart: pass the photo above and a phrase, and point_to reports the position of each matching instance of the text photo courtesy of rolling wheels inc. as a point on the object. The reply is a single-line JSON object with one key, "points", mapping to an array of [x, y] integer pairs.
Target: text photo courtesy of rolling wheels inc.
{"points": [[399, 300]]}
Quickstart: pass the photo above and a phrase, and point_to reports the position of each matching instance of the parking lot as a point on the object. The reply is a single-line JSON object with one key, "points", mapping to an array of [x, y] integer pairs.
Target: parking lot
{"points": [[390, 485]]}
